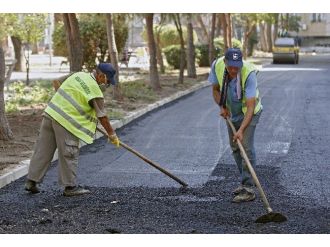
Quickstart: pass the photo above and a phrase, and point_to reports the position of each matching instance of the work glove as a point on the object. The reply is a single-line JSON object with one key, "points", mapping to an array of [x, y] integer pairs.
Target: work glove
{"points": [[114, 140]]}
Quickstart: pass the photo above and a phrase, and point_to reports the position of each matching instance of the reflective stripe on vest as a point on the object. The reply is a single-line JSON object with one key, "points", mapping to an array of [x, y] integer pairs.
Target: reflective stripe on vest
{"points": [[70, 105], [71, 120], [245, 72], [75, 105]]}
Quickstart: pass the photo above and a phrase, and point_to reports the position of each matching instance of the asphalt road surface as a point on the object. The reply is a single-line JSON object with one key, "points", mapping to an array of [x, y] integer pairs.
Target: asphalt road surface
{"points": [[189, 139]]}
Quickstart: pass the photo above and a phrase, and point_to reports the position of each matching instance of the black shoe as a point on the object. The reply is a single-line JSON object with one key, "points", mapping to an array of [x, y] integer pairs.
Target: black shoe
{"points": [[31, 186], [75, 191]]}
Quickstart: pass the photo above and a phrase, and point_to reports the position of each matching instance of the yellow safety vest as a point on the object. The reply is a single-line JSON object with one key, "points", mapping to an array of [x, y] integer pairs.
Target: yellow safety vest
{"points": [[245, 72], [70, 108]]}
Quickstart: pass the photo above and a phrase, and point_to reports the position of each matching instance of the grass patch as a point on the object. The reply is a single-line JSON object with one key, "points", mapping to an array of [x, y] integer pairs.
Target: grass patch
{"points": [[138, 90], [20, 95]]}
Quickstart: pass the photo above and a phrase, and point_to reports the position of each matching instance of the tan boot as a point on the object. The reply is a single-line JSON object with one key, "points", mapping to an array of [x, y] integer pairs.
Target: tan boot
{"points": [[246, 195], [75, 191]]}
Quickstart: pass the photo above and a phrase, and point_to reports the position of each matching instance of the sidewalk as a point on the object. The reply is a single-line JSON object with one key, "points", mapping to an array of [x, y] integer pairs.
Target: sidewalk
{"points": [[43, 67]]}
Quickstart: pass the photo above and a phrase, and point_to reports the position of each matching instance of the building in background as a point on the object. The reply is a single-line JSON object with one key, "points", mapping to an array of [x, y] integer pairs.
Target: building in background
{"points": [[314, 30]]}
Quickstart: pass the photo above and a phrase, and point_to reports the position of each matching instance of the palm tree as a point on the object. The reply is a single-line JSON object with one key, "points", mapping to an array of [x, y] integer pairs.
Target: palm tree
{"points": [[73, 41], [154, 78]]}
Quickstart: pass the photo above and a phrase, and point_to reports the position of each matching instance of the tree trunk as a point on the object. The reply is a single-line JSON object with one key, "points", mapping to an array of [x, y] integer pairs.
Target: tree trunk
{"points": [[211, 40], [58, 17], [229, 29], [5, 131], [269, 37], [35, 48], [159, 52], [263, 43], [191, 67], [154, 78], [251, 43], [27, 64], [275, 33], [112, 47], [17, 43], [204, 29], [287, 17], [218, 26], [73, 41], [177, 23], [249, 29], [224, 28]]}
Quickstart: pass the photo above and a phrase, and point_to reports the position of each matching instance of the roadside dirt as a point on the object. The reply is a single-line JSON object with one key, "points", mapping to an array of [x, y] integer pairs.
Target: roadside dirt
{"points": [[25, 124]]}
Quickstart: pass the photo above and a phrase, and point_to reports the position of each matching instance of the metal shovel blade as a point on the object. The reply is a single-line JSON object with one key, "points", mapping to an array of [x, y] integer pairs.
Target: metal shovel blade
{"points": [[271, 217]]}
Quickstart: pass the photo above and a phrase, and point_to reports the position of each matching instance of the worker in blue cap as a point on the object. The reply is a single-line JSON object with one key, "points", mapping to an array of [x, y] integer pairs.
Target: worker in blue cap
{"points": [[235, 91], [71, 115]]}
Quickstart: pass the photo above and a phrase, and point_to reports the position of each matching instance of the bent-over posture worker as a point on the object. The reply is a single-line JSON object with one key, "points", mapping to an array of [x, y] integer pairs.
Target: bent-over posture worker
{"points": [[71, 115], [235, 90]]}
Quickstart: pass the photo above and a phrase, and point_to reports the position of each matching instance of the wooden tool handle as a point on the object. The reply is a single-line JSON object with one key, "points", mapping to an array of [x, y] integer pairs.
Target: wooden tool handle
{"points": [[155, 165], [253, 174]]}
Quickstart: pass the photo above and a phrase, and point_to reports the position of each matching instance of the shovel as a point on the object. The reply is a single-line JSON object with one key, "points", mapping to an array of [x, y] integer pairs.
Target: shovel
{"points": [[147, 160], [270, 216]]}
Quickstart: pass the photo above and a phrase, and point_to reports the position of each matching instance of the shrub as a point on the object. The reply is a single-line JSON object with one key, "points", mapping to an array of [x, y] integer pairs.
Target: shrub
{"points": [[172, 54], [219, 50], [93, 33], [59, 42], [168, 35]]}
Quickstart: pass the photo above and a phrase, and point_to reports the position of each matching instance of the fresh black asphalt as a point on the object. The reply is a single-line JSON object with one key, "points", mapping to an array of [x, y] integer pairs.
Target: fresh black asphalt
{"points": [[188, 138]]}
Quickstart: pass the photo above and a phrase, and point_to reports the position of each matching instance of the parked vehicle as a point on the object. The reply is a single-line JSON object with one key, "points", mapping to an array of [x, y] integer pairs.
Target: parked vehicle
{"points": [[286, 50]]}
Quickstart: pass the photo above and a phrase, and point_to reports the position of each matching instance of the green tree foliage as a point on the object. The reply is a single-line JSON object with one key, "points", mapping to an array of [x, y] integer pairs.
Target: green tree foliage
{"points": [[169, 35], [8, 21], [294, 23], [94, 37], [31, 27]]}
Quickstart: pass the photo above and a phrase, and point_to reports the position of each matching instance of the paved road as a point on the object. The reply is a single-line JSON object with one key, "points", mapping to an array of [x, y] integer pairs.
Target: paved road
{"points": [[189, 139]]}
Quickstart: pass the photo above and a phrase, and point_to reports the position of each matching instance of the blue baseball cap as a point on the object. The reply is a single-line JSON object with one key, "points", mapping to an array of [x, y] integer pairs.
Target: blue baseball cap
{"points": [[233, 57], [109, 71]]}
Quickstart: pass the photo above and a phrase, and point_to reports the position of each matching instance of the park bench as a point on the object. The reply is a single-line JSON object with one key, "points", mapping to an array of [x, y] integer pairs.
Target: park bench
{"points": [[125, 57]]}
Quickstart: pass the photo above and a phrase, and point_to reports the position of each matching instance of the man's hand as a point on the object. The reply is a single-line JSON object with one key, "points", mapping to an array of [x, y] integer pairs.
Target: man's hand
{"points": [[114, 140], [224, 113], [238, 135]]}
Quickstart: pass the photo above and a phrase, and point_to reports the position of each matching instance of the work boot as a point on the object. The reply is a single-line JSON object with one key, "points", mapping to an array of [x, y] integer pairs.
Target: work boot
{"points": [[31, 186], [247, 194], [238, 190], [75, 191]]}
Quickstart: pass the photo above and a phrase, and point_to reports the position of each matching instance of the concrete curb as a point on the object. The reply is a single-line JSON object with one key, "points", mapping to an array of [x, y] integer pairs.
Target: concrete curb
{"points": [[22, 168]]}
